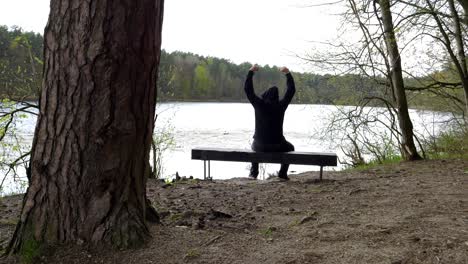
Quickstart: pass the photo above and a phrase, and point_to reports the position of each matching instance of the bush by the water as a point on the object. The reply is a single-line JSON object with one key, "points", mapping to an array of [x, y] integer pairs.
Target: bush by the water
{"points": [[451, 144]]}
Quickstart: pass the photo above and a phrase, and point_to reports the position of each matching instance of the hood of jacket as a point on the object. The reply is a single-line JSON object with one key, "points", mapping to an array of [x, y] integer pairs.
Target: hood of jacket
{"points": [[271, 95]]}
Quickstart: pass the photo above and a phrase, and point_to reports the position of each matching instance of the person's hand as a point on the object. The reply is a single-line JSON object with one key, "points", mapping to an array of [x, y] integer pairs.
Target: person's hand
{"points": [[284, 70], [254, 68]]}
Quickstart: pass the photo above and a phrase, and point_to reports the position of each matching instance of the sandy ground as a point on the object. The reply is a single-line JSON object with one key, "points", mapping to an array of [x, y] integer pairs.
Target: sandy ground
{"points": [[396, 214]]}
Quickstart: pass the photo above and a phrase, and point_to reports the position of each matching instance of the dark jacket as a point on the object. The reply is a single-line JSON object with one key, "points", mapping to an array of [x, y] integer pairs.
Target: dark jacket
{"points": [[269, 110]]}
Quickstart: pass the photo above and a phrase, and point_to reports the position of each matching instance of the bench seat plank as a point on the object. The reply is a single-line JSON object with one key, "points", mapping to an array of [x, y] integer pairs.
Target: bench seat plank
{"points": [[246, 155]]}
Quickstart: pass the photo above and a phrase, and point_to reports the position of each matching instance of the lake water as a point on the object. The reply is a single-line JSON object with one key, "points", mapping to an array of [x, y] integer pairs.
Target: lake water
{"points": [[231, 125]]}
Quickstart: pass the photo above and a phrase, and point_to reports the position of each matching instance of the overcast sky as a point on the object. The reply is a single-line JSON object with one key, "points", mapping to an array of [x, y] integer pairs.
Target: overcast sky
{"points": [[255, 31]]}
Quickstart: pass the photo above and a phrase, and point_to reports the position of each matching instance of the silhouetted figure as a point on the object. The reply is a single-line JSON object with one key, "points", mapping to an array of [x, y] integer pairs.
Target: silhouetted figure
{"points": [[269, 117]]}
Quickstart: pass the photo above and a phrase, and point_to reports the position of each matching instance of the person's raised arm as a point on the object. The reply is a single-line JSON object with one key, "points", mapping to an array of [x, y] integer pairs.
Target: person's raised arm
{"points": [[248, 87], [291, 88]]}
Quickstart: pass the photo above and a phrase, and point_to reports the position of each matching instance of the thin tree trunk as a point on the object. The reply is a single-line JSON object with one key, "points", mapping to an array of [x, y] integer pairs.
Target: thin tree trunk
{"points": [[464, 4], [461, 53], [90, 157], [408, 147]]}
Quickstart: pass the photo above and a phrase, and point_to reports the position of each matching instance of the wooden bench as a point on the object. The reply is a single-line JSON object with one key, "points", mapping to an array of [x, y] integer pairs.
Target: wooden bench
{"points": [[245, 155]]}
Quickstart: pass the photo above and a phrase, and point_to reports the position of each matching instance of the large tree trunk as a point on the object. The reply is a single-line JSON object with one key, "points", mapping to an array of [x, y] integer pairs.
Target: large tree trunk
{"points": [[90, 156], [406, 127]]}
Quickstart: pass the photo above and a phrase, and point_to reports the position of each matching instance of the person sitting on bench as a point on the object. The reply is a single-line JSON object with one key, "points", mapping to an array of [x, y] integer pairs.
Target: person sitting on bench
{"points": [[269, 117]]}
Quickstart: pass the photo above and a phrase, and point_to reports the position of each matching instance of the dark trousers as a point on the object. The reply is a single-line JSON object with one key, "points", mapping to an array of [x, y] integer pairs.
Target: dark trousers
{"points": [[284, 146]]}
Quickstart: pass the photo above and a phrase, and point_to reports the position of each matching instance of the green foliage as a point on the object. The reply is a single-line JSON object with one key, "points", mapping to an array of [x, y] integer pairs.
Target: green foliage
{"points": [[375, 162], [14, 153], [450, 144], [185, 76], [267, 231], [440, 90], [202, 81], [163, 140], [20, 63], [30, 250]]}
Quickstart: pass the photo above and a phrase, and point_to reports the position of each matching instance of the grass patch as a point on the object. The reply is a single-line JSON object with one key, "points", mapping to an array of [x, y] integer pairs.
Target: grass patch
{"points": [[294, 223], [30, 251], [192, 253], [175, 217], [315, 189], [449, 145], [268, 231], [374, 163]]}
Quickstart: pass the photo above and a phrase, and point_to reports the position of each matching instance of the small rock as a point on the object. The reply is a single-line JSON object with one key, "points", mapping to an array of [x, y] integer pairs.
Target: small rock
{"points": [[450, 244], [183, 223], [355, 191], [198, 223], [213, 214]]}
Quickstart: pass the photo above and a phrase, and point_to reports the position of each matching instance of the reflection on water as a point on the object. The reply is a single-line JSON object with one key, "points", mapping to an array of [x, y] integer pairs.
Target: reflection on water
{"points": [[231, 125]]}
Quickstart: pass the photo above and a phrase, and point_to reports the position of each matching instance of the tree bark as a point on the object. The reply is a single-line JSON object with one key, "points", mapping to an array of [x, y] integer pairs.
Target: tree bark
{"points": [[464, 4], [461, 56], [408, 147], [90, 156]]}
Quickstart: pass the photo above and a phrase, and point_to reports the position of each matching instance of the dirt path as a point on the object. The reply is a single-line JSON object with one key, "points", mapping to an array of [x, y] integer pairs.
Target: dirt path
{"points": [[406, 213]]}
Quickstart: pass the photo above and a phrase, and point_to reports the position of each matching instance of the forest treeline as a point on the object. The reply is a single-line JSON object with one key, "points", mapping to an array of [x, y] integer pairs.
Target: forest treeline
{"points": [[189, 77], [186, 76]]}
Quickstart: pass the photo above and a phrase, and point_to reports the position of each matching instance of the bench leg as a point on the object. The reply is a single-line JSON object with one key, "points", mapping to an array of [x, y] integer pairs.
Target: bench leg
{"points": [[205, 176], [321, 172], [204, 169]]}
